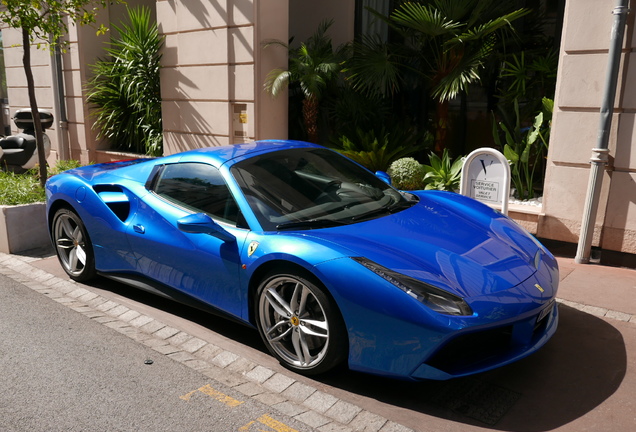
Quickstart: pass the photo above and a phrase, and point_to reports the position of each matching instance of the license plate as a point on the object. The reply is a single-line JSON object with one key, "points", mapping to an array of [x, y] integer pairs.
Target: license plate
{"points": [[545, 311]]}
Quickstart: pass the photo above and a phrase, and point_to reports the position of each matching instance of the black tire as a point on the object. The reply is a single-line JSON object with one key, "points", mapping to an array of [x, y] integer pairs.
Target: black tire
{"points": [[73, 245], [300, 324]]}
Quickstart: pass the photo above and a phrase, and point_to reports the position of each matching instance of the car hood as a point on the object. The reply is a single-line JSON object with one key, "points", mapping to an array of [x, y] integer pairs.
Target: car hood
{"points": [[445, 241]]}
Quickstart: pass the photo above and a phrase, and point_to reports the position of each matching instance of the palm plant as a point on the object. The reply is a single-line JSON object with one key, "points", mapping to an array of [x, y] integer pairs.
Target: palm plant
{"points": [[314, 65], [125, 89], [377, 150], [448, 42]]}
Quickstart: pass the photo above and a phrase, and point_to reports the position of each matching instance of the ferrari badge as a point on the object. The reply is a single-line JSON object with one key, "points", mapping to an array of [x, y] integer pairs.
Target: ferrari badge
{"points": [[252, 248]]}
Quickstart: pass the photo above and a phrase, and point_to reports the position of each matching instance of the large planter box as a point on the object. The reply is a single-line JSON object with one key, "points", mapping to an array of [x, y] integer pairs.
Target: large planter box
{"points": [[23, 227]]}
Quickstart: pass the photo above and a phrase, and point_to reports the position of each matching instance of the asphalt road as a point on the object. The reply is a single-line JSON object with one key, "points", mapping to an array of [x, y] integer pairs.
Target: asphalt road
{"points": [[60, 371], [582, 380]]}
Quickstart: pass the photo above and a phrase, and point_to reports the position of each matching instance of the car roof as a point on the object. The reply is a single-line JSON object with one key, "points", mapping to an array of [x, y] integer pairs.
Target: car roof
{"points": [[238, 152]]}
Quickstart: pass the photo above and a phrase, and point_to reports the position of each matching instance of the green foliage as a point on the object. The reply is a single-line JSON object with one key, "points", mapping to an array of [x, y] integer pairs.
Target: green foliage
{"points": [[453, 39], [375, 67], [407, 174], [125, 89], [525, 148], [45, 23], [377, 150], [64, 165], [48, 20], [529, 78], [314, 66], [16, 189], [442, 173], [19, 189]]}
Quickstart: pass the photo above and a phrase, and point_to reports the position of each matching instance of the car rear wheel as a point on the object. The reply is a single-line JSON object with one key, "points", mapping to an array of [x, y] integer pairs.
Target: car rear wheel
{"points": [[300, 324], [73, 246]]}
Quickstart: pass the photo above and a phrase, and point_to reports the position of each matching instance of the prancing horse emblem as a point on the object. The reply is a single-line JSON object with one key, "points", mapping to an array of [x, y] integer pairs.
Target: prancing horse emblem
{"points": [[252, 248]]}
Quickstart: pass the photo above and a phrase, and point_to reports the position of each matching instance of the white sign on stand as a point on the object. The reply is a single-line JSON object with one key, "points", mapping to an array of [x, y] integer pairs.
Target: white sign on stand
{"points": [[486, 177]]}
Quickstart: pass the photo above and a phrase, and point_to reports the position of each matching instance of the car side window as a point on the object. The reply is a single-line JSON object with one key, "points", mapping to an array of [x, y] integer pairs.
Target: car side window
{"points": [[198, 187]]}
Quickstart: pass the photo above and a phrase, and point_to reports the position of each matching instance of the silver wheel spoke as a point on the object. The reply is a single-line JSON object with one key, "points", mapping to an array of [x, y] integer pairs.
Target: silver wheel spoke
{"points": [[73, 259], [294, 302], [271, 331], [64, 243], [302, 350], [66, 227], [81, 254], [314, 328], [279, 304], [303, 301], [77, 235]]}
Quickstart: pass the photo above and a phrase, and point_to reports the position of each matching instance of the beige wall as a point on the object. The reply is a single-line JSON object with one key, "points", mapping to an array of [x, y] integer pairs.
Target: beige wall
{"points": [[213, 66], [84, 47], [580, 84], [16, 78]]}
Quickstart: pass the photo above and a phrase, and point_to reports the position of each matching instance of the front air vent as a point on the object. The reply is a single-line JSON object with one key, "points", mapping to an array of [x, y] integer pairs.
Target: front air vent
{"points": [[115, 199]]}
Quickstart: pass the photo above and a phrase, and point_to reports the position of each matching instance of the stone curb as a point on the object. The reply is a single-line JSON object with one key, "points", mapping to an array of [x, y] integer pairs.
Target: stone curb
{"points": [[286, 395]]}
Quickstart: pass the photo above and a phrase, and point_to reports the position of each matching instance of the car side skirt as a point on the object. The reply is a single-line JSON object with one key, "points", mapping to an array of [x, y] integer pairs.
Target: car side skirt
{"points": [[150, 286]]}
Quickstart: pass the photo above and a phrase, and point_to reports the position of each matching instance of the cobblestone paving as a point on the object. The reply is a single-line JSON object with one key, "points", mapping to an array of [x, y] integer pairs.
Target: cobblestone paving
{"points": [[283, 393], [304, 403]]}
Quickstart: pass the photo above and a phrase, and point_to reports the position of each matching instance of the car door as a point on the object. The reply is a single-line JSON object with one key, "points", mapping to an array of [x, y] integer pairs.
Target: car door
{"points": [[200, 265]]}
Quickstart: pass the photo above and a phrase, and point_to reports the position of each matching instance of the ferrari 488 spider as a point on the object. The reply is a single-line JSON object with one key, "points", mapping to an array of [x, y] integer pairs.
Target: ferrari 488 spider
{"points": [[329, 262]]}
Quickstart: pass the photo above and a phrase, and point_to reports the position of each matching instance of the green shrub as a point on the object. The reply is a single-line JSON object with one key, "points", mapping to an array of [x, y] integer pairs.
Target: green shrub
{"points": [[16, 189], [64, 165], [441, 174], [125, 89], [19, 189], [377, 150], [407, 174], [526, 149]]}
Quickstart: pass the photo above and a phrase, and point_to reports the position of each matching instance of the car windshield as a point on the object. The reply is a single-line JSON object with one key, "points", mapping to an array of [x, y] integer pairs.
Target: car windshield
{"points": [[313, 188]]}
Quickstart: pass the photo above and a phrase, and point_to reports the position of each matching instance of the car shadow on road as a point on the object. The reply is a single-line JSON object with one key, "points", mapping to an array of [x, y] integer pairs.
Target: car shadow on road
{"points": [[576, 371], [219, 324]]}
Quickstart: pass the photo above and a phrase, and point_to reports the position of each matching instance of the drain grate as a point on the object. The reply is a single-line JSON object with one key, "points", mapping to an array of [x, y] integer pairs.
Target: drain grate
{"points": [[476, 399]]}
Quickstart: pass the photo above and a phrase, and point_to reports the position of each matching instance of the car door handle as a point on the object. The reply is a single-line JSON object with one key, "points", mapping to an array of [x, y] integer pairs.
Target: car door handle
{"points": [[139, 229]]}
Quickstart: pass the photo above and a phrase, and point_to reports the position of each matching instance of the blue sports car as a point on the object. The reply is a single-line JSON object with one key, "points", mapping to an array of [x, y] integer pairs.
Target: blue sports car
{"points": [[328, 261]]}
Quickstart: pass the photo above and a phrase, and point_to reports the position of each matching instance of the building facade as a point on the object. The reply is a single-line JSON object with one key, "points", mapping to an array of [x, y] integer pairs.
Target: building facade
{"points": [[214, 66], [581, 76]]}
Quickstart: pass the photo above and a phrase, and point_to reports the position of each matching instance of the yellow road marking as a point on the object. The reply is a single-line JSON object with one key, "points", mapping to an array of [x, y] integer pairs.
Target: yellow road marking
{"points": [[270, 422], [215, 394]]}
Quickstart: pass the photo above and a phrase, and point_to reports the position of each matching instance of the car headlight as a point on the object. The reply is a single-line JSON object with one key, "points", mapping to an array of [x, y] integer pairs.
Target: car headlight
{"points": [[437, 299]]}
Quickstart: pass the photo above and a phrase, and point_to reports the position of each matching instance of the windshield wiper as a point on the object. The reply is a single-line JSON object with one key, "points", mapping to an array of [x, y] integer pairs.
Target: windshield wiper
{"points": [[310, 224], [390, 209]]}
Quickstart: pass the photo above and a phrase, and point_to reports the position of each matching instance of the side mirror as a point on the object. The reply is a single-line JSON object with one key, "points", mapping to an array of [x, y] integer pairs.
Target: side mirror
{"points": [[201, 223], [385, 177]]}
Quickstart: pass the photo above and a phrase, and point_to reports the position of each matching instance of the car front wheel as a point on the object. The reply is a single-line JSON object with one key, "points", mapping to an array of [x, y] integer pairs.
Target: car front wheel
{"points": [[300, 324], [73, 246]]}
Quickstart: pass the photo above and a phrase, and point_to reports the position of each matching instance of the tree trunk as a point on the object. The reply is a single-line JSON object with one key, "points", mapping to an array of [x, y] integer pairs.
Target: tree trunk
{"points": [[37, 122], [310, 118], [441, 127]]}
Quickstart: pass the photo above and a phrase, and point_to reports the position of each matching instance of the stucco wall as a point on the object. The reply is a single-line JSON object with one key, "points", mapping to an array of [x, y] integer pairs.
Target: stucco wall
{"points": [[16, 78], [212, 67], [580, 84]]}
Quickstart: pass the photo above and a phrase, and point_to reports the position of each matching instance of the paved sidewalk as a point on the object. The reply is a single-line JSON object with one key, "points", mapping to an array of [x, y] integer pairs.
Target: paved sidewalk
{"points": [[606, 292], [599, 290]]}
